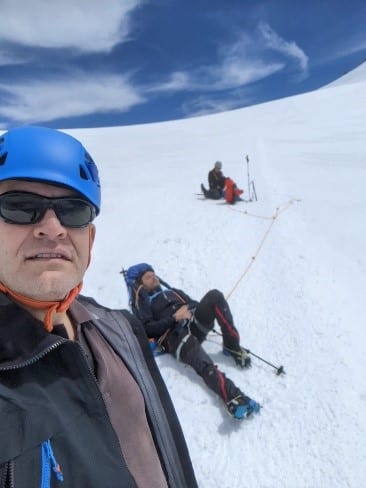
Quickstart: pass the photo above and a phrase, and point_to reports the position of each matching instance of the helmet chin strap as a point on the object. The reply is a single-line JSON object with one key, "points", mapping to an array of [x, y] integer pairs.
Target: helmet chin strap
{"points": [[51, 306]]}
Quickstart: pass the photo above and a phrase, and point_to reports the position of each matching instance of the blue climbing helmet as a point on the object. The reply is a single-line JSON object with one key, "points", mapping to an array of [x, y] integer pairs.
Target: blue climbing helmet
{"points": [[43, 154]]}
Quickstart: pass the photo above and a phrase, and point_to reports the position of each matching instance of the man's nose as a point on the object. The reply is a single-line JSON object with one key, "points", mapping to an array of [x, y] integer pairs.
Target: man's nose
{"points": [[50, 227]]}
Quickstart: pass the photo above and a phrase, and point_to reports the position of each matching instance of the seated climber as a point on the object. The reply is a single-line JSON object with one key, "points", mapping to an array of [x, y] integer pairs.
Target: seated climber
{"points": [[216, 182], [221, 186], [181, 324]]}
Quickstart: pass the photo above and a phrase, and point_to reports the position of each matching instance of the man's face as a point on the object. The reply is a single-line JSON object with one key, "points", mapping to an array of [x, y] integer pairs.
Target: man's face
{"points": [[43, 261], [150, 281]]}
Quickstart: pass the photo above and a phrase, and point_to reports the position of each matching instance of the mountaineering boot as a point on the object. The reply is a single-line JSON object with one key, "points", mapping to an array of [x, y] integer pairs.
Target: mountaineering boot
{"points": [[242, 406], [241, 357]]}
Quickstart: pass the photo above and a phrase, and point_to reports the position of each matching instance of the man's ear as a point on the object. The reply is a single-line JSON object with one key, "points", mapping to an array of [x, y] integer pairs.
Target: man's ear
{"points": [[92, 232]]}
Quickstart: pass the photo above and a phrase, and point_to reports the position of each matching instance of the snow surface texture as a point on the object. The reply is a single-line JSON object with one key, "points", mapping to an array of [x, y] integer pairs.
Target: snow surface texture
{"points": [[301, 303]]}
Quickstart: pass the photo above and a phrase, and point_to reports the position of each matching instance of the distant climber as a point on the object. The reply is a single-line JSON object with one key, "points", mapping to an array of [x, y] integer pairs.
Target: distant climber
{"points": [[221, 186], [216, 182]]}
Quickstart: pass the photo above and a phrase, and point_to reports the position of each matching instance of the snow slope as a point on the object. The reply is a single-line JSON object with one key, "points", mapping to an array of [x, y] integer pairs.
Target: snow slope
{"points": [[299, 303], [354, 76]]}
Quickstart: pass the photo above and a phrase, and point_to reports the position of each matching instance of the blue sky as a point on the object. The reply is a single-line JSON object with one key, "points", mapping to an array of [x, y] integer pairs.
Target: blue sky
{"points": [[87, 63]]}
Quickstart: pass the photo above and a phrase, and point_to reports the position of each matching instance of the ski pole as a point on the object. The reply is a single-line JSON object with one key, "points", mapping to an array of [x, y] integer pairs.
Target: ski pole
{"points": [[279, 369], [247, 160]]}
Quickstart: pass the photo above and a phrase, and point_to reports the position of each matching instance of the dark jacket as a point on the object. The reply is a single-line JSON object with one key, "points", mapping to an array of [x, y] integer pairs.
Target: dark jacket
{"points": [[156, 310], [216, 180], [48, 392]]}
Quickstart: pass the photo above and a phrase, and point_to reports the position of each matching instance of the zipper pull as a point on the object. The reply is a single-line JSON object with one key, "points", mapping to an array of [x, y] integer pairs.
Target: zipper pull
{"points": [[48, 461]]}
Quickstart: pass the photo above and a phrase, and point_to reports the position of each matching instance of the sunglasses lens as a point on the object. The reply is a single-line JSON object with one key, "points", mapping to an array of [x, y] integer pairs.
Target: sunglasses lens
{"points": [[25, 208], [74, 213], [20, 210]]}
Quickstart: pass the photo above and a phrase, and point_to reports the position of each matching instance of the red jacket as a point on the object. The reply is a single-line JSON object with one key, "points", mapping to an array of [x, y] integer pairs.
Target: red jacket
{"points": [[231, 191]]}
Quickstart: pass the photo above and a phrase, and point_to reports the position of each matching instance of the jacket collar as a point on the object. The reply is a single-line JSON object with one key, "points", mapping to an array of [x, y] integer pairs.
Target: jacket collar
{"points": [[22, 337]]}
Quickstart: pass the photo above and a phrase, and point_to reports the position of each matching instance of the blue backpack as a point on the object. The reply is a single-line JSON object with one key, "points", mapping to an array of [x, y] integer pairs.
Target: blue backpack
{"points": [[132, 277], [136, 292]]}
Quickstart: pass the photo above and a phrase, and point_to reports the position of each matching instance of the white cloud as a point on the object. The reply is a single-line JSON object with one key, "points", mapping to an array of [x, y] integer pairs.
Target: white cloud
{"points": [[276, 43], [236, 72], [352, 47], [231, 73], [43, 100], [178, 81], [89, 25], [239, 64], [86, 25], [242, 63], [204, 105], [10, 60]]}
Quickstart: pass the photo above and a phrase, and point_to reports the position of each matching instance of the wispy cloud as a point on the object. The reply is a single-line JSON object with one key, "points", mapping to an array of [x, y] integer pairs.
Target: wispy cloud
{"points": [[235, 72], [232, 71], [76, 95], [88, 26], [177, 81], [205, 105], [355, 45], [288, 48], [243, 62], [85, 25], [7, 59]]}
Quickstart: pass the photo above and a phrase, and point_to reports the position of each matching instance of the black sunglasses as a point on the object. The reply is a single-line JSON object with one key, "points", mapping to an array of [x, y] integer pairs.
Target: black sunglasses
{"points": [[24, 208]]}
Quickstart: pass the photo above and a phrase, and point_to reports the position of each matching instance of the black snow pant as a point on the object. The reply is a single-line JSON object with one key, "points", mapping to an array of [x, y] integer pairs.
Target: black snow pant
{"points": [[213, 194], [214, 306], [184, 342]]}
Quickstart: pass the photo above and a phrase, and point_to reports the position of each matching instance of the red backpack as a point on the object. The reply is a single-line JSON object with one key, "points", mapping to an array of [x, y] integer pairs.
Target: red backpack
{"points": [[231, 191]]}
